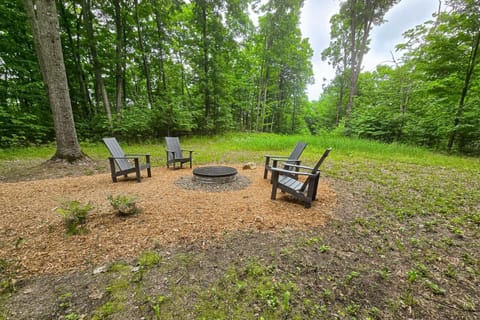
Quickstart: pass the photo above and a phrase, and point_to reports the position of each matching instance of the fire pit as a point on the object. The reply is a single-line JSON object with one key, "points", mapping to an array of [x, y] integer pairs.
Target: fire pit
{"points": [[215, 174]]}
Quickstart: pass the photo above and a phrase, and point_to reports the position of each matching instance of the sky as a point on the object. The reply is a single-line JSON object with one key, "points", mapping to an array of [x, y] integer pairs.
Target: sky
{"points": [[315, 25]]}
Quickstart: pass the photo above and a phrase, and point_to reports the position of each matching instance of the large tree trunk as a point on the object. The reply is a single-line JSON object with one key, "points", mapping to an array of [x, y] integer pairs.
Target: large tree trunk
{"points": [[46, 34]]}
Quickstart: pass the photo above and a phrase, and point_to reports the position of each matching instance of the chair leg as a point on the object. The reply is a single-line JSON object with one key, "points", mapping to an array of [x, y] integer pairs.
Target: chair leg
{"points": [[265, 171], [112, 169], [274, 182], [137, 169], [149, 170]]}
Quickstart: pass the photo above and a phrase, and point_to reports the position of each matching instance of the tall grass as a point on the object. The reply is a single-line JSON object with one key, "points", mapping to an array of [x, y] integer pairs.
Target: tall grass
{"points": [[242, 147]]}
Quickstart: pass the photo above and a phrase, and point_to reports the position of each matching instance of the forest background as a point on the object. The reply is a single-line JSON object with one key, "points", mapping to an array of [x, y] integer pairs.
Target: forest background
{"points": [[145, 69]]}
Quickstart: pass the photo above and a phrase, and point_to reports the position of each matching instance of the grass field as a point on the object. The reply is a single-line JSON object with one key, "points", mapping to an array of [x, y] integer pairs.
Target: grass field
{"points": [[404, 243]]}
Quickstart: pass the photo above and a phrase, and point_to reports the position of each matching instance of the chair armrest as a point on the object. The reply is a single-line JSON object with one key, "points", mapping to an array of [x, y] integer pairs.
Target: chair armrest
{"points": [[125, 157], [278, 157], [290, 163], [298, 166], [274, 160], [293, 172], [137, 155]]}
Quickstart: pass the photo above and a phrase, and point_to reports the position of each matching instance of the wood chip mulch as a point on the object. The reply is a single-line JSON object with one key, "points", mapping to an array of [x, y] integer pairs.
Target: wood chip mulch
{"points": [[32, 233]]}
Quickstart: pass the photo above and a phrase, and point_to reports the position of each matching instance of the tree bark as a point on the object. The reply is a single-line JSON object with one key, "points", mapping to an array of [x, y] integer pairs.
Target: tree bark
{"points": [[43, 18]]}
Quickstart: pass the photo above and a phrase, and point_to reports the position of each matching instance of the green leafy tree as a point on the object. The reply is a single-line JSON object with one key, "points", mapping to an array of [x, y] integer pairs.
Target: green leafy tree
{"points": [[285, 68], [445, 54], [351, 30]]}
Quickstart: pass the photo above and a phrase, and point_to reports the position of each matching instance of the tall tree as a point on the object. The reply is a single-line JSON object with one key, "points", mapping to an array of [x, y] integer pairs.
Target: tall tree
{"points": [[119, 56], [100, 89], [46, 35], [360, 16], [285, 68], [469, 20], [337, 56]]}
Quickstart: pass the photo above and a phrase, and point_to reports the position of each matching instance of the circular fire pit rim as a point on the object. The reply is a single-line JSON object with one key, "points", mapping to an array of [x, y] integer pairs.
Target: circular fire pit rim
{"points": [[215, 174]]}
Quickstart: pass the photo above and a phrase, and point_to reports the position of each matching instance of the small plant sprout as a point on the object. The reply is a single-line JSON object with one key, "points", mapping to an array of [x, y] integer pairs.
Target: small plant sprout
{"points": [[74, 216], [324, 248], [124, 205]]}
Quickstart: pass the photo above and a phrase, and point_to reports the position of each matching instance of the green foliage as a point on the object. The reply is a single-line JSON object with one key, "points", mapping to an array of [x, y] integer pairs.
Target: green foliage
{"points": [[231, 296], [24, 114], [124, 205], [149, 259], [180, 79], [74, 215], [428, 98], [21, 129], [7, 276]]}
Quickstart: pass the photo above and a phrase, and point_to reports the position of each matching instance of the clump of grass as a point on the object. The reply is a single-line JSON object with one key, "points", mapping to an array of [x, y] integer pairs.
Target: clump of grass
{"points": [[149, 259], [74, 215], [124, 205], [7, 276]]}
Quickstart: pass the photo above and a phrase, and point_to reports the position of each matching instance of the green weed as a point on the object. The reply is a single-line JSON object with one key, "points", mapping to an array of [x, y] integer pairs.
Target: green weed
{"points": [[74, 216], [149, 259], [124, 205]]}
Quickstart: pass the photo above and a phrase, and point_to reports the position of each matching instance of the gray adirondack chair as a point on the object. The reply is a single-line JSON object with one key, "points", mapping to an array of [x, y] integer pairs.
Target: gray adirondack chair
{"points": [[122, 164], [305, 191], [175, 153], [293, 158]]}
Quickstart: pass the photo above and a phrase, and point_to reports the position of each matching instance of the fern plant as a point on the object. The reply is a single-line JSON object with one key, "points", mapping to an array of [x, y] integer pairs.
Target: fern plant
{"points": [[74, 216]]}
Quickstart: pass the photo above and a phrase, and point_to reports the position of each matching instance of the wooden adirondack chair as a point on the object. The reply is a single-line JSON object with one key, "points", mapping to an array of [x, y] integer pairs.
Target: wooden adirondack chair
{"points": [[121, 163], [305, 191], [292, 158], [174, 152]]}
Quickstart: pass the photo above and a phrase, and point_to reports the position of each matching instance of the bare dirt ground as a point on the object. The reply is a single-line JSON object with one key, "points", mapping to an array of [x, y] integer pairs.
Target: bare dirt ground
{"points": [[33, 233]]}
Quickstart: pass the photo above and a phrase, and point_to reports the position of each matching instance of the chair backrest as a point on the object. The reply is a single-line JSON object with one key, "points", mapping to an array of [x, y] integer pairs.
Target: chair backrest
{"points": [[319, 163], [117, 152], [315, 169], [297, 151], [173, 144]]}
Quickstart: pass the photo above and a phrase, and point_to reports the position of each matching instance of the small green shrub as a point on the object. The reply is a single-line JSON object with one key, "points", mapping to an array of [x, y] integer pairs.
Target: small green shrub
{"points": [[124, 205], [74, 216]]}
